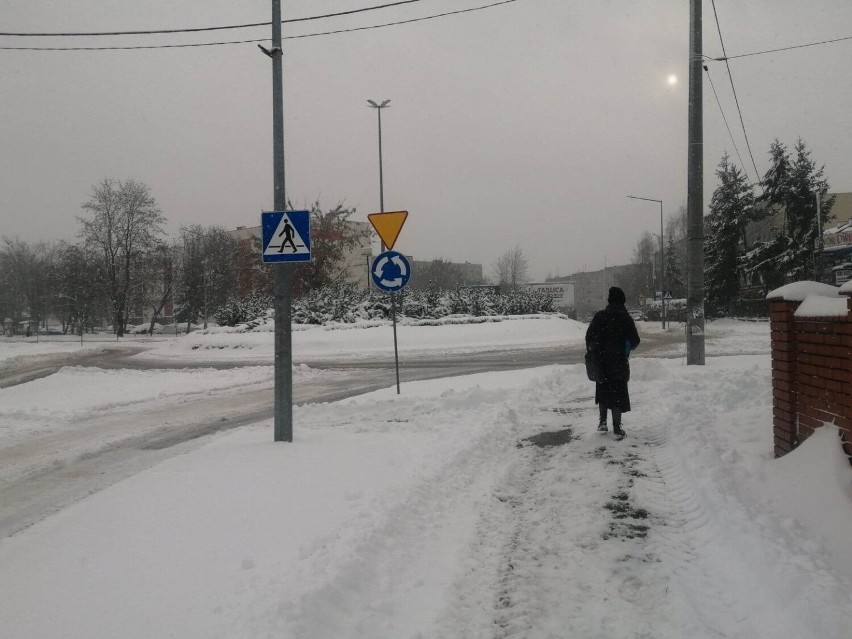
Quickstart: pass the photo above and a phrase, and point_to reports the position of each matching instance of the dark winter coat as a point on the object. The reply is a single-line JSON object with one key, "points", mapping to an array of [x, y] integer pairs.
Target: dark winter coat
{"points": [[611, 332]]}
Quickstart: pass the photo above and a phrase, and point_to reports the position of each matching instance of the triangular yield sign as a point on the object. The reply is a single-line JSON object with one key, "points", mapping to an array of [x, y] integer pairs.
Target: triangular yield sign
{"points": [[388, 225]]}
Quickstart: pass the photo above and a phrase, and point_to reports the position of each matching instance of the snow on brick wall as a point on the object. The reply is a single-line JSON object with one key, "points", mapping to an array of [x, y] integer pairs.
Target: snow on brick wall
{"points": [[811, 368]]}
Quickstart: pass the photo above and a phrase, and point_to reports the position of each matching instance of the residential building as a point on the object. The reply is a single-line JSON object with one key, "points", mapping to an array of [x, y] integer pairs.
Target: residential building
{"points": [[354, 266], [590, 288]]}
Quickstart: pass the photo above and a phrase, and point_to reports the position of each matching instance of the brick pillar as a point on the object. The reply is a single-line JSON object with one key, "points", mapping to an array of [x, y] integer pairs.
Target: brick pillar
{"points": [[846, 350], [785, 401]]}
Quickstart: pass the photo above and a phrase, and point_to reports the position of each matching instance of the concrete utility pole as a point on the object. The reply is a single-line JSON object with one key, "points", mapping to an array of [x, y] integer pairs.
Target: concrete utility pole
{"points": [[283, 272], [818, 242], [695, 196]]}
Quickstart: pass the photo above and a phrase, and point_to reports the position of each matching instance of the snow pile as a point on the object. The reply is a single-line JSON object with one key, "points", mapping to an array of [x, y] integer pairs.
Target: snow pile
{"points": [[64, 399], [443, 512], [13, 352], [798, 291], [820, 306]]}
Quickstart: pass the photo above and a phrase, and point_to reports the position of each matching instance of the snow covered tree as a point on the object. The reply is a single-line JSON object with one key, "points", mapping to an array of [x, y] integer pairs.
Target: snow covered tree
{"points": [[207, 274], [674, 274], [79, 296], [125, 223], [790, 186], [731, 208], [28, 269]]}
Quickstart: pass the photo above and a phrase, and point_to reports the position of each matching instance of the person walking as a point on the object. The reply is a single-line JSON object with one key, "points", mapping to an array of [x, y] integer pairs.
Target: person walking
{"points": [[287, 232], [610, 338]]}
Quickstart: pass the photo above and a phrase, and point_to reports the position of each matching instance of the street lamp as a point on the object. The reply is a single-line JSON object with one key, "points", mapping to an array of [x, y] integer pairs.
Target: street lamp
{"points": [[379, 106], [662, 250]]}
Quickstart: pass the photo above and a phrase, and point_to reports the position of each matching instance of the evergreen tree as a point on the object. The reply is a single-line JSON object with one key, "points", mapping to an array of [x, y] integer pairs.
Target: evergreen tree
{"points": [[674, 275], [731, 208], [790, 185]]}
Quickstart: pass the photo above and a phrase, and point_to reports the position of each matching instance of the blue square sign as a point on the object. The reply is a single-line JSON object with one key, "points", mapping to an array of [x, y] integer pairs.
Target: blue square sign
{"points": [[286, 236]]}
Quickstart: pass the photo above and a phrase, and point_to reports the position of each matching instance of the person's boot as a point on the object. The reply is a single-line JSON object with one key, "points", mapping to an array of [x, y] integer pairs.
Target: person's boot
{"points": [[602, 428], [616, 424], [602, 421]]}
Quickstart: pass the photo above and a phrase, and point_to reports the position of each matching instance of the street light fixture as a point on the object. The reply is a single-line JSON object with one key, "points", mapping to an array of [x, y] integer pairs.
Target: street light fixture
{"points": [[378, 106], [662, 250]]}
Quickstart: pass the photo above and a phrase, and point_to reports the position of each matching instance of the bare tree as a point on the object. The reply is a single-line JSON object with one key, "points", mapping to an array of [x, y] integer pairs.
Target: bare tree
{"points": [[28, 270], [156, 280], [643, 254], [510, 269], [125, 224], [676, 225], [207, 270], [78, 290]]}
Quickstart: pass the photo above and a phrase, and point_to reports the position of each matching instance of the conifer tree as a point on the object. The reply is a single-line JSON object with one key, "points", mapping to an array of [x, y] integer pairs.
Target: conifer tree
{"points": [[731, 208], [790, 187], [674, 275]]}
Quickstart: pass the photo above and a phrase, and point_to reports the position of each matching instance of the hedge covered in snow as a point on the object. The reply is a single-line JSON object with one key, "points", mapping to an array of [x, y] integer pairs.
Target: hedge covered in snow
{"points": [[346, 303]]}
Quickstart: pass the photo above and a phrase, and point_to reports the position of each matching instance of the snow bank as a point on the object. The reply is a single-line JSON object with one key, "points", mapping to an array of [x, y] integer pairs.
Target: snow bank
{"points": [[313, 343], [68, 398], [819, 306], [798, 291], [12, 351]]}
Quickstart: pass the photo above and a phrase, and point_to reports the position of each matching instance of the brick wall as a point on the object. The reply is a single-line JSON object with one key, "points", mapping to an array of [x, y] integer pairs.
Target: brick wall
{"points": [[811, 374]]}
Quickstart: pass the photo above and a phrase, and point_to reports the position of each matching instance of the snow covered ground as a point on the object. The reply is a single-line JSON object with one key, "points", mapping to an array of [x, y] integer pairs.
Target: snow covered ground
{"points": [[373, 339], [481, 506]]}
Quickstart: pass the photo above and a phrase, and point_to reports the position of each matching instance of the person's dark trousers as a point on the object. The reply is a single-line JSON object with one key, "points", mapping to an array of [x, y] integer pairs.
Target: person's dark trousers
{"points": [[616, 417]]}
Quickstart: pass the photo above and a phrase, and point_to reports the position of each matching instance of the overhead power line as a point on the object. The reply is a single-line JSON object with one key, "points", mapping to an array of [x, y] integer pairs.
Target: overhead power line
{"points": [[199, 29], [296, 37], [734, 89], [725, 119], [790, 48]]}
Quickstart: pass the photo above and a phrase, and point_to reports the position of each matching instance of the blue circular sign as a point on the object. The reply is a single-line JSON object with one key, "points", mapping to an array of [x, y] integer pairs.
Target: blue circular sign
{"points": [[390, 271]]}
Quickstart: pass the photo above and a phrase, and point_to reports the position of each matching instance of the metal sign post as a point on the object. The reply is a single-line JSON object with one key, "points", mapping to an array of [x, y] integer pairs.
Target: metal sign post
{"points": [[391, 272]]}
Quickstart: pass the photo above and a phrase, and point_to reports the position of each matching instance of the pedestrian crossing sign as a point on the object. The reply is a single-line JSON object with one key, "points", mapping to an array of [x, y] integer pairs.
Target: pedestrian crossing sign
{"points": [[286, 236]]}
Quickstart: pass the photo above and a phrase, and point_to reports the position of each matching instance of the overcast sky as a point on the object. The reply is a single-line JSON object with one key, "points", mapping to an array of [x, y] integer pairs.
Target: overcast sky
{"points": [[526, 123]]}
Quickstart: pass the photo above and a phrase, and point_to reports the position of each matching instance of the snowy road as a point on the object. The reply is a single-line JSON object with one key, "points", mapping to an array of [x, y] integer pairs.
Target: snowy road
{"points": [[44, 473]]}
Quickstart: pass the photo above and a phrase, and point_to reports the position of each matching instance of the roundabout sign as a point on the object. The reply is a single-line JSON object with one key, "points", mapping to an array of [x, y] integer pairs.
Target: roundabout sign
{"points": [[390, 271]]}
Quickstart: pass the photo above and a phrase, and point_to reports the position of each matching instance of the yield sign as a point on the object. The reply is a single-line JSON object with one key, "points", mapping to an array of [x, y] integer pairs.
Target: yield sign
{"points": [[388, 225]]}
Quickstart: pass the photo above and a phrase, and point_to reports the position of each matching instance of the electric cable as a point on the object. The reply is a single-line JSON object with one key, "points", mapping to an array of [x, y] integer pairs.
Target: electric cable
{"points": [[790, 48], [198, 29], [734, 89], [255, 40], [730, 134]]}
